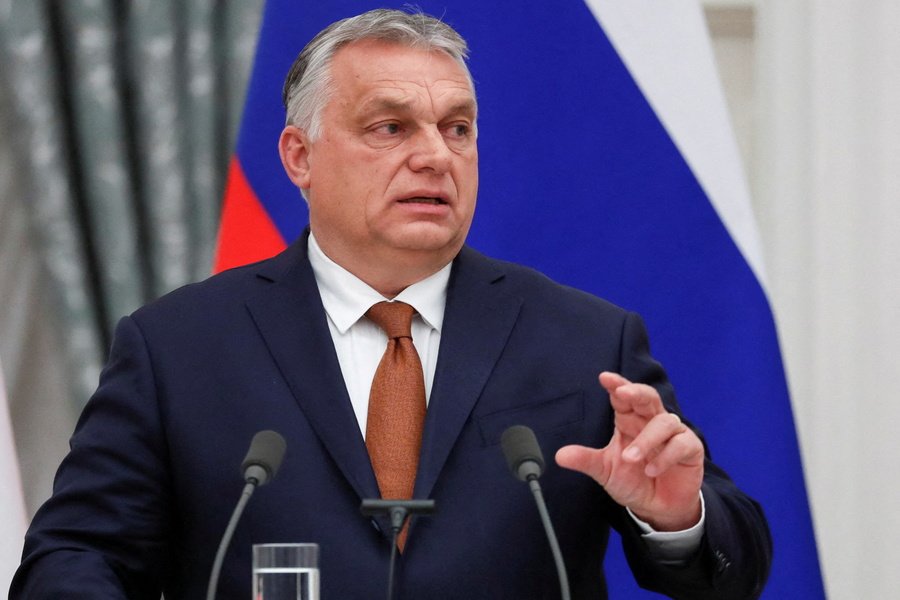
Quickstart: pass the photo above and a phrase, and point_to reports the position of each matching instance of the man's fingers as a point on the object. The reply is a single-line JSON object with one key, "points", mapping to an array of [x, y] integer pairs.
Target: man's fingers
{"points": [[638, 398], [682, 449], [610, 381], [651, 444], [627, 397], [584, 460]]}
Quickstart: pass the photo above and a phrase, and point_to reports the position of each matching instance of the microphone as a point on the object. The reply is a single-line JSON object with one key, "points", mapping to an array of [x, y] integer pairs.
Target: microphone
{"points": [[523, 454], [525, 460], [258, 468], [264, 457]]}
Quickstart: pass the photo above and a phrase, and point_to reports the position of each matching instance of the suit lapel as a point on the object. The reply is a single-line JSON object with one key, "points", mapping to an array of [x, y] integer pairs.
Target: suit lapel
{"points": [[478, 320], [292, 321]]}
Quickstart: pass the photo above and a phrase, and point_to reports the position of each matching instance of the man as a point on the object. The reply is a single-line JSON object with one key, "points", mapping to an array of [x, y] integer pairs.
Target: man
{"points": [[381, 140]]}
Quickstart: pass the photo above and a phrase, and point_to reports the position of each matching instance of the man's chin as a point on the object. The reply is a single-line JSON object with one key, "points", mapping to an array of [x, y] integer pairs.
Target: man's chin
{"points": [[428, 238]]}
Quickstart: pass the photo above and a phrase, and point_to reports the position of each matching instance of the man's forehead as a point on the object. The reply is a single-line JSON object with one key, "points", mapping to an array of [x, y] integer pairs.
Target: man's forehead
{"points": [[372, 76], [385, 64]]}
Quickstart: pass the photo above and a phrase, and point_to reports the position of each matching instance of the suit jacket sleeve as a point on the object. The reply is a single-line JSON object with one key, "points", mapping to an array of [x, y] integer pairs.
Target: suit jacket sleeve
{"points": [[736, 552], [104, 532]]}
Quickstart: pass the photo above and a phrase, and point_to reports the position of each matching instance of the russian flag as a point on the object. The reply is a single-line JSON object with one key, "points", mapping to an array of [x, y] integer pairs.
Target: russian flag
{"points": [[607, 162]]}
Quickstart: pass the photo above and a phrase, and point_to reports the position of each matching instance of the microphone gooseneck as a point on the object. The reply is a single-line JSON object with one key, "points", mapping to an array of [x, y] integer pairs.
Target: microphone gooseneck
{"points": [[525, 460], [258, 468]]}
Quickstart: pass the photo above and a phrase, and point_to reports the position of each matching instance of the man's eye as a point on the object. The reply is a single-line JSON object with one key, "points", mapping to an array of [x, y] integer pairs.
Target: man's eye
{"points": [[389, 128], [459, 136], [459, 130]]}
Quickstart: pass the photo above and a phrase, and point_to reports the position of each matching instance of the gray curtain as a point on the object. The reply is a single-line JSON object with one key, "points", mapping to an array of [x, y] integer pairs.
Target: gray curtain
{"points": [[117, 120]]}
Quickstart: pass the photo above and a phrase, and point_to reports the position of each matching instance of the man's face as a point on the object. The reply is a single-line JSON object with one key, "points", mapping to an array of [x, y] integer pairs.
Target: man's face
{"points": [[394, 175]]}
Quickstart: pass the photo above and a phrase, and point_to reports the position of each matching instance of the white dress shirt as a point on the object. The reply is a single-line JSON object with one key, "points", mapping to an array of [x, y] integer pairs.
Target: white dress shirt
{"points": [[360, 344]]}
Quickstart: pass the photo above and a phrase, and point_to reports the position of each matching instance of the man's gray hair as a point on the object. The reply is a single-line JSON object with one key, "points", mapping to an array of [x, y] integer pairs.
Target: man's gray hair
{"points": [[308, 85]]}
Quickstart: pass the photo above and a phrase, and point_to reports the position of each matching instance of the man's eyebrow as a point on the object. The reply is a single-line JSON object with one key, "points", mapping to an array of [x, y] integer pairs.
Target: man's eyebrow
{"points": [[381, 103], [465, 107]]}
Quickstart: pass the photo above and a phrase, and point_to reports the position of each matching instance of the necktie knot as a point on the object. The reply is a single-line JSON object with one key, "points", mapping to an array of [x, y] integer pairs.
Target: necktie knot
{"points": [[395, 318]]}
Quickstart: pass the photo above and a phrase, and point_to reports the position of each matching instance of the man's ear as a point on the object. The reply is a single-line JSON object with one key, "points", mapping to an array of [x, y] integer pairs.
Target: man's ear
{"points": [[293, 147]]}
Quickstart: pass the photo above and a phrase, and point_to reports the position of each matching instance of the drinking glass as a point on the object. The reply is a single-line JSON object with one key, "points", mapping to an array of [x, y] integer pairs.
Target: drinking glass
{"points": [[285, 572]]}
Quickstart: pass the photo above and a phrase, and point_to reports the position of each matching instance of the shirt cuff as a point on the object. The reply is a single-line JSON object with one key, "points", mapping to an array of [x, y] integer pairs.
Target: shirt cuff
{"points": [[673, 547]]}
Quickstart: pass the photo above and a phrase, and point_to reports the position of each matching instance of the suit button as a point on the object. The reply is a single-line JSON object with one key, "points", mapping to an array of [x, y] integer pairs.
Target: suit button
{"points": [[722, 562]]}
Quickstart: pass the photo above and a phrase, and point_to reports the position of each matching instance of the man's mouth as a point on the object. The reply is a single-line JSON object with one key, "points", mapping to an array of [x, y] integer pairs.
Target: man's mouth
{"points": [[423, 200]]}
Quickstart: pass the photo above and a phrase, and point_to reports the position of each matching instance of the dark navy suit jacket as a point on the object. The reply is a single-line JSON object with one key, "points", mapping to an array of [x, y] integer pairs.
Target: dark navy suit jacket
{"points": [[141, 501]]}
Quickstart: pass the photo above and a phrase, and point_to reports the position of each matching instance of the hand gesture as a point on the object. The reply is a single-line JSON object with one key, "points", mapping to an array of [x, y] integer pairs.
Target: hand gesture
{"points": [[653, 463]]}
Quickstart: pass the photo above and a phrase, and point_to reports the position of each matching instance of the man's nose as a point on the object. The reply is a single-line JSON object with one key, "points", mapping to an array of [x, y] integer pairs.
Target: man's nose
{"points": [[430, 151]]}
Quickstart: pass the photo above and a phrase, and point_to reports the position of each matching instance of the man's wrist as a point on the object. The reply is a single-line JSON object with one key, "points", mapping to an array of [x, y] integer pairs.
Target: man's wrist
{"points": [[673, 547], [672, 524]]}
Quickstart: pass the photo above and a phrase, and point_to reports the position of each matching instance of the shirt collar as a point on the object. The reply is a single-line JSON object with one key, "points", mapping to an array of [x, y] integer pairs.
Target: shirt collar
{"points": [[346, 297]]}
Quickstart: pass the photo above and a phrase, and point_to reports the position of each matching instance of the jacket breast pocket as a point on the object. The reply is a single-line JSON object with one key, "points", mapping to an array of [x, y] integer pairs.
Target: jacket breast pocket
{"points": [[549, 417]]}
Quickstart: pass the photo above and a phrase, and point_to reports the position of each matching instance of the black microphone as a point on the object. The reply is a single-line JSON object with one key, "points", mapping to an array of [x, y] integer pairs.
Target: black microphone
{"points": [[525, 460], [264, 457], [523, 454], [258, 468]]}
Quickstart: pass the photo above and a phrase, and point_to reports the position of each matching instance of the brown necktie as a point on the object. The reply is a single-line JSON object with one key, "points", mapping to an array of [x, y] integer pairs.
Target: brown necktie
{"points": [[396, 406]]}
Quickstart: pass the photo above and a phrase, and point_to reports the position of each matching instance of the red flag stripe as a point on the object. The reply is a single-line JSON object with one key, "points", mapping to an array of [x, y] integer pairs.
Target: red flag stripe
{"points": [[247, 233]]}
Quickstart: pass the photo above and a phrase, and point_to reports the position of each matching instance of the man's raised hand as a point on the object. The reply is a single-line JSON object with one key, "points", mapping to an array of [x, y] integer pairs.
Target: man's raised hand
{"points": [[653, 463]]}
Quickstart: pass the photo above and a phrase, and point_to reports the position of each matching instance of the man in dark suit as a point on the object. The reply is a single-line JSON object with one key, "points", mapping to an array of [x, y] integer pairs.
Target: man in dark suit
{"points": [[381, 140]]}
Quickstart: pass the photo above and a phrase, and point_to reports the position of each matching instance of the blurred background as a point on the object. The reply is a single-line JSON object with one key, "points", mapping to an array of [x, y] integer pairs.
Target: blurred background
{"points": [[118, 119]]}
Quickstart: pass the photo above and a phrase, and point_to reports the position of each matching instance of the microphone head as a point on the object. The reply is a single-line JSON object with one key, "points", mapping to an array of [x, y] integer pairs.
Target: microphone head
{"points": [[264, 457], [523, 453]]}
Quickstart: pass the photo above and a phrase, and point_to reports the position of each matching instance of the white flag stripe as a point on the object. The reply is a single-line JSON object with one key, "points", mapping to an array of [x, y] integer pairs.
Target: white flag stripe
{"points": [[12, 502], [667, 50]]}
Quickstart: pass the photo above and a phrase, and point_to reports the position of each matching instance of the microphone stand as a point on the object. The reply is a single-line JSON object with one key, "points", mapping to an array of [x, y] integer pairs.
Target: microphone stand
{"points": [[259, 467], [249, 488], [398, 511], [551, 536], [526, 461]]}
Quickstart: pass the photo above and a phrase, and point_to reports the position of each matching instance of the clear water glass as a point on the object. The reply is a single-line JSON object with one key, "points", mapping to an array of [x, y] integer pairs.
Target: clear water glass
{"points": [[285, 572]]}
